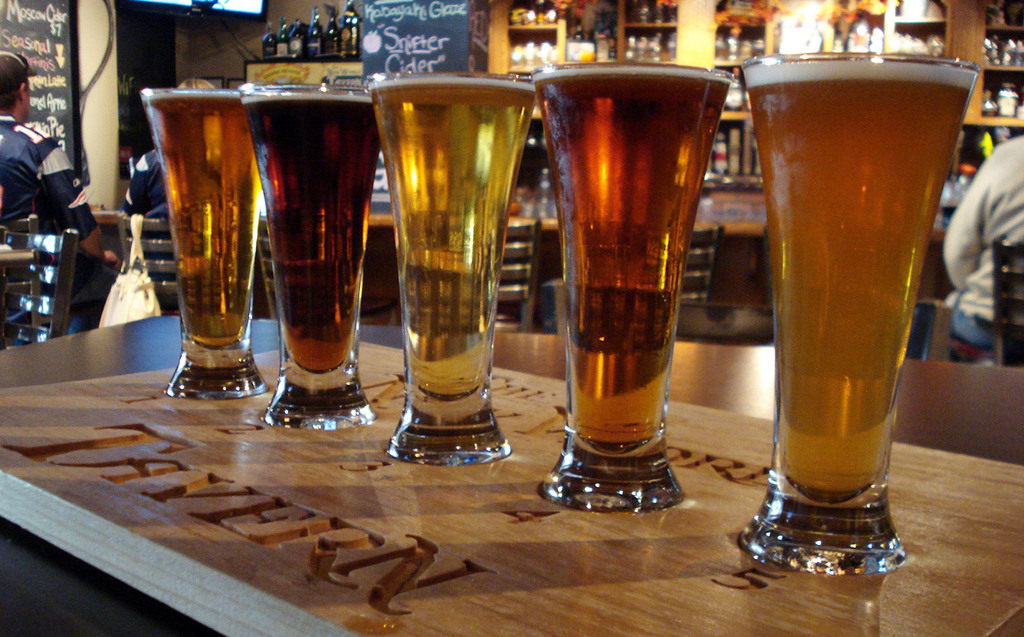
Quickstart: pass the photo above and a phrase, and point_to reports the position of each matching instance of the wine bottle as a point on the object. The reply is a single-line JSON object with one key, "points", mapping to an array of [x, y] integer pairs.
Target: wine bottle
{"points": [[351, 33], [315, 35], [296, 40], [269, 42], [331, 32], [282, 39]]}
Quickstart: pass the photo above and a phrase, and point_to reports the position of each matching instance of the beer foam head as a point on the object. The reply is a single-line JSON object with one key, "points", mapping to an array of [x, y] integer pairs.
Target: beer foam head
{"points": [[611, 70], [303, 93], [191, 94], [442, 81], [780, 69]]}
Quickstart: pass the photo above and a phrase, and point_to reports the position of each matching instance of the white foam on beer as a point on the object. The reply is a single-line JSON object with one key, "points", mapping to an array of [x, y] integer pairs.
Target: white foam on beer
{"points": [[287, 95], [610, 71], [190, 93], [443, 80], [774, 71]]}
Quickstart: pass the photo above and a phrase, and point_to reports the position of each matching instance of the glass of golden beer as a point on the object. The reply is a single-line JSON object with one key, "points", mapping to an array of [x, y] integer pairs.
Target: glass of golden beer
{"points": [[628, 148], [203, 140], [317, 150], [452, 145], [854, 152]]}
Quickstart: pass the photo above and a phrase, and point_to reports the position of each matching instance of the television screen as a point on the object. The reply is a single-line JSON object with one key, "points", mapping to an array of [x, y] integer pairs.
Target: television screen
{"points": [[245, 9]]}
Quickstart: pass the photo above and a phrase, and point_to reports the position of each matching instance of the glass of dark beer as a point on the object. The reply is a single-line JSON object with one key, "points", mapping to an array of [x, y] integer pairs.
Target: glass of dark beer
{"points": [[203, 140], [854, 153], [628, 147], [317, 149], [452, 145]]}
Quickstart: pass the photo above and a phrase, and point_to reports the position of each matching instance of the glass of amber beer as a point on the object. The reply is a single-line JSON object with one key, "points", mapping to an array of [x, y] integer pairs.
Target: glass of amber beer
{"points": [[317, 150], [202, 137], [628, 148], [854, 152], [452, 145]]}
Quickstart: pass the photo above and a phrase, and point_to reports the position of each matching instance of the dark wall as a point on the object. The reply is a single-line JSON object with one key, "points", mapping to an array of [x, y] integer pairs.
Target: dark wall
{"points": [[145, 58]]}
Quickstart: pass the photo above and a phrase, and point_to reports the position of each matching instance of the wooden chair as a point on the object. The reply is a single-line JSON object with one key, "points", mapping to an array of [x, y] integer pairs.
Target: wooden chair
{"points": [[1008, 299], [36, 275], [371, 310], [158, 251], [930, 331], [700, 262], [517, 286], [25, 225], [266, 267], [725, 323]]}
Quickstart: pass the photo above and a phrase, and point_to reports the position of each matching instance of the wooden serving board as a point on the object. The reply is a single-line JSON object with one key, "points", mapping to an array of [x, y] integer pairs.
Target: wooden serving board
{"points": [[261, 531]]}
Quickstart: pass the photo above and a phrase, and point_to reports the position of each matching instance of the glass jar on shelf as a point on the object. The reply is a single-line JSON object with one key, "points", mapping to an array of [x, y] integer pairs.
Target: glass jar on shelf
{"points": [[1008, 100]]}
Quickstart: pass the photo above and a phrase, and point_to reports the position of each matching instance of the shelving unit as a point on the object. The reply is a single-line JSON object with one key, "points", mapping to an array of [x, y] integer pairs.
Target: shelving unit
{"points": [[994, 75]]}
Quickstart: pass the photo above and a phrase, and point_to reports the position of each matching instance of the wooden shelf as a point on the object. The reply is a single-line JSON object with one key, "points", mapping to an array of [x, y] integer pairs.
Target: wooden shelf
{"points": [[998, 121], [1005, 28], [919, 21], [533, 28], [650, 25]]}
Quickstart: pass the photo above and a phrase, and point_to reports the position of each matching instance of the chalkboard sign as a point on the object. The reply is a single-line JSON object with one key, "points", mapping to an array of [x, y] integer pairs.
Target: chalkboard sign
{"points": [[414, 36], [45, 32]]}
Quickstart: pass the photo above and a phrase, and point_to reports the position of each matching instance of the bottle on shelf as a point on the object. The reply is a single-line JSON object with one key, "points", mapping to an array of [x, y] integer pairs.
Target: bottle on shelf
{"points": [[989, 108], [720, 154], [315, 35], [269, 42], [297, 40], [351, 33], [1008, 100], [282, 39], [329, 46]]}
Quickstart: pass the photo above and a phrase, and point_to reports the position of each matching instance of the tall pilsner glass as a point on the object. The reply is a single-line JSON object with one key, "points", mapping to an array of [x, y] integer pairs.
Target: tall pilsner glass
{"points": [[317, 150], [854, 152], [628, 146], [452, 145], [202, 137]]}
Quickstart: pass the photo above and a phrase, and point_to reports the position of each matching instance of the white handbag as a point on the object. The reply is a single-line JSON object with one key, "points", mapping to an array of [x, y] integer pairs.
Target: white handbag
{"points": [[132, 296]]}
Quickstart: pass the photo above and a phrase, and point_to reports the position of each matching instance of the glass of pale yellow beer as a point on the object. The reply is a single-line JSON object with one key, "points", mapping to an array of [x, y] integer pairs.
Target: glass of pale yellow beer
{"points": [[452, 145], [317, 150], [628, 147], [204, 144], [854, 152]]}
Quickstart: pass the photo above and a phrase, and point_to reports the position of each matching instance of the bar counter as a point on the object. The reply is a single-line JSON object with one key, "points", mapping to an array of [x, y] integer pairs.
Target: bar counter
{"points": [[961, 516]]}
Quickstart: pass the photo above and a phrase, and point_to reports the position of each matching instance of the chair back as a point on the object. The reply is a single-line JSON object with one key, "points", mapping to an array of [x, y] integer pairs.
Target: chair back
{"points": [[700, 262], [36, 275], [158, 255], [24, 225], [266, 267], [1007, 296], [517, 285], [725, 323], [930, 325]]}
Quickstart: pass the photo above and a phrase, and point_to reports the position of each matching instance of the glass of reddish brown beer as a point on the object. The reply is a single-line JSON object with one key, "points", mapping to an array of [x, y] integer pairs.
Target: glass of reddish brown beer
{"points": [[628, 148]]}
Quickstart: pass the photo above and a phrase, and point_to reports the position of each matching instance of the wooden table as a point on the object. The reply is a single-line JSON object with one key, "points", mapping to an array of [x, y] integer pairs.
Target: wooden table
{"points": [[935, 410]]}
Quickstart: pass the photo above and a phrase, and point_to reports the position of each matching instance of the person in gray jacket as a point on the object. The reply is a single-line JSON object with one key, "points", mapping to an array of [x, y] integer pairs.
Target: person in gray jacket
{"points": [[992, 209]]}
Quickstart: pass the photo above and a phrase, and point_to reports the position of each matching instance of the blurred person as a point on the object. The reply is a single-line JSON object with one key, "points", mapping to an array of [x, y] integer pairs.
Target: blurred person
{"points": [[36, 177], [992, 209], [145, 194]]}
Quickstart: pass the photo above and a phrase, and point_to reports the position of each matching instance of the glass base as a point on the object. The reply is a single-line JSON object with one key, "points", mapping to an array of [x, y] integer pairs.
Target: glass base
{"points": [[424, 438], [237, 378], [587, 477], [329, 409], [794, 532]]}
